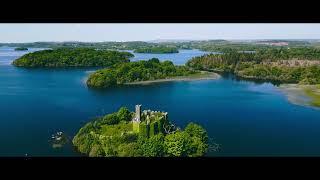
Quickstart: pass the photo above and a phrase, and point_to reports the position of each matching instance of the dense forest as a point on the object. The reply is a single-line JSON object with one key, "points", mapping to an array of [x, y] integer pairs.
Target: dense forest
{"points": [[112, 136], [123, 73], [227, 46], [157, 50], [72, 57], [289, 65]]}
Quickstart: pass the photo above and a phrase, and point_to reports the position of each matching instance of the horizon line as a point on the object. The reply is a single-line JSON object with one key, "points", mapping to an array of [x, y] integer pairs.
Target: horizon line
{"points": [[70, 41]]}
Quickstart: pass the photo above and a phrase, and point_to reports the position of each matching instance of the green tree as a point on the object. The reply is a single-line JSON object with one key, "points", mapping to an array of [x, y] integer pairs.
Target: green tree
{"points": [[124, 114], [96, 151], [195, 130], [110, 119], [197, 147], [153, 146], [129, 150], [84, 142], [177, 144]]}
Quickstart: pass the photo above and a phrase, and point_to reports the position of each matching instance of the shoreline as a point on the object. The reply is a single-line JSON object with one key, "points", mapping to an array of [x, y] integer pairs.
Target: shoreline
{"points": [[303, 95], [204, 75]]}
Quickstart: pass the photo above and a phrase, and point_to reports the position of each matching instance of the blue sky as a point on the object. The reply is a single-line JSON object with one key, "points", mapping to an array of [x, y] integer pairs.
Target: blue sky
{"points": [[146, 32]]}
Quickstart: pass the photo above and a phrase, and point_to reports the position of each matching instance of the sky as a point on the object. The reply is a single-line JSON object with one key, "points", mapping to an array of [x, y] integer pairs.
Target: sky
{"points": [[16, 33]]}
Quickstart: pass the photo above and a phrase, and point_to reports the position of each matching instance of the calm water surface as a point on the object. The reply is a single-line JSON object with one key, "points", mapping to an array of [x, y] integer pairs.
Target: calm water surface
{"points": [[178, 58], [246, 118]]}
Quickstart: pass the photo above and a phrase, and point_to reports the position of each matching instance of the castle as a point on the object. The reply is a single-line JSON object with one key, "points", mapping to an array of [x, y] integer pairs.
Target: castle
{"points": [[148, 122]]}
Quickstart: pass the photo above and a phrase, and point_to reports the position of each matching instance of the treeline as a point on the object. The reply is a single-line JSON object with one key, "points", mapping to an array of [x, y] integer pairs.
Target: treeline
{"points": [[136, 71], [301, 75], [255, 65], [157, 50], [273, 54], [72, 57], [206, 45], [130, 45], [21, 49], [228, 47], [113, 136]]}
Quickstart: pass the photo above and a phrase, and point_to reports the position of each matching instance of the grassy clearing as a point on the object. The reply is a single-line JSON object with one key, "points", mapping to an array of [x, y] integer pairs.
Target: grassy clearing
{"points": [[118, 129]]}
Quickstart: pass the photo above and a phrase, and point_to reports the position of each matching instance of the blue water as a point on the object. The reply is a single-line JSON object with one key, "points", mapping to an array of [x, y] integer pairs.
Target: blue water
{"points": [[178, 58], [247, 119]]}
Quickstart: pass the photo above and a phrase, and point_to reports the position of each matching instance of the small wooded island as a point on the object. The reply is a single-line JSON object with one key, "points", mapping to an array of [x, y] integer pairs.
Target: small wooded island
{"points": [[21, 49], [143, 71], [157, 50], [72, 57], [141, 134]]}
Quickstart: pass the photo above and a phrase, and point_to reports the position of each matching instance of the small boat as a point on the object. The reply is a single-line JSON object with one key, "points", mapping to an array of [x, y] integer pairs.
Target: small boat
{"points": [[59, 139]]}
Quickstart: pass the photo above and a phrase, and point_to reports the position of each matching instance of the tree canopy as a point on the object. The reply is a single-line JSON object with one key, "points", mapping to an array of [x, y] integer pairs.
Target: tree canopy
{"points": [[136, 71], [72, 57]]}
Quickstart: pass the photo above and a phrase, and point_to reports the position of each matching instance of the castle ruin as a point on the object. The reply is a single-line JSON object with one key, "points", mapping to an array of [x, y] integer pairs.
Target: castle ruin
{"points": [[148, 122], [137, 117]]}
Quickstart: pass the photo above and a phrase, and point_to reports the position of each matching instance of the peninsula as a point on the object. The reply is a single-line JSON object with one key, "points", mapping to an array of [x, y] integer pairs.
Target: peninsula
{"points": [[299, 67], [144, 133], [72, 57], [294, 65], [142, 72]]}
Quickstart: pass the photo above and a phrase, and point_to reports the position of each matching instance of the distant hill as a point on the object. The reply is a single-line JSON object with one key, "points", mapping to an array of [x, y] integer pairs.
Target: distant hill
{"points": [[170, 40]]}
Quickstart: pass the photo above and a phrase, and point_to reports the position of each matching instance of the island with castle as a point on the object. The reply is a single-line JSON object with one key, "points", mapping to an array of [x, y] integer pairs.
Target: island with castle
{"points": [[143, 133]]}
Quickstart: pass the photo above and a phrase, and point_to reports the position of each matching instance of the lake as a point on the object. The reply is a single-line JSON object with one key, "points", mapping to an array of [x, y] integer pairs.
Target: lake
{"points": [[246, 118], [178, 58]]}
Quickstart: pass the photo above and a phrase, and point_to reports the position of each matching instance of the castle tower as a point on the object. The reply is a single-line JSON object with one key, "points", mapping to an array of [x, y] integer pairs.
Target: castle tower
{"points": [[137, 119], [165, 115], [138, 113]]}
